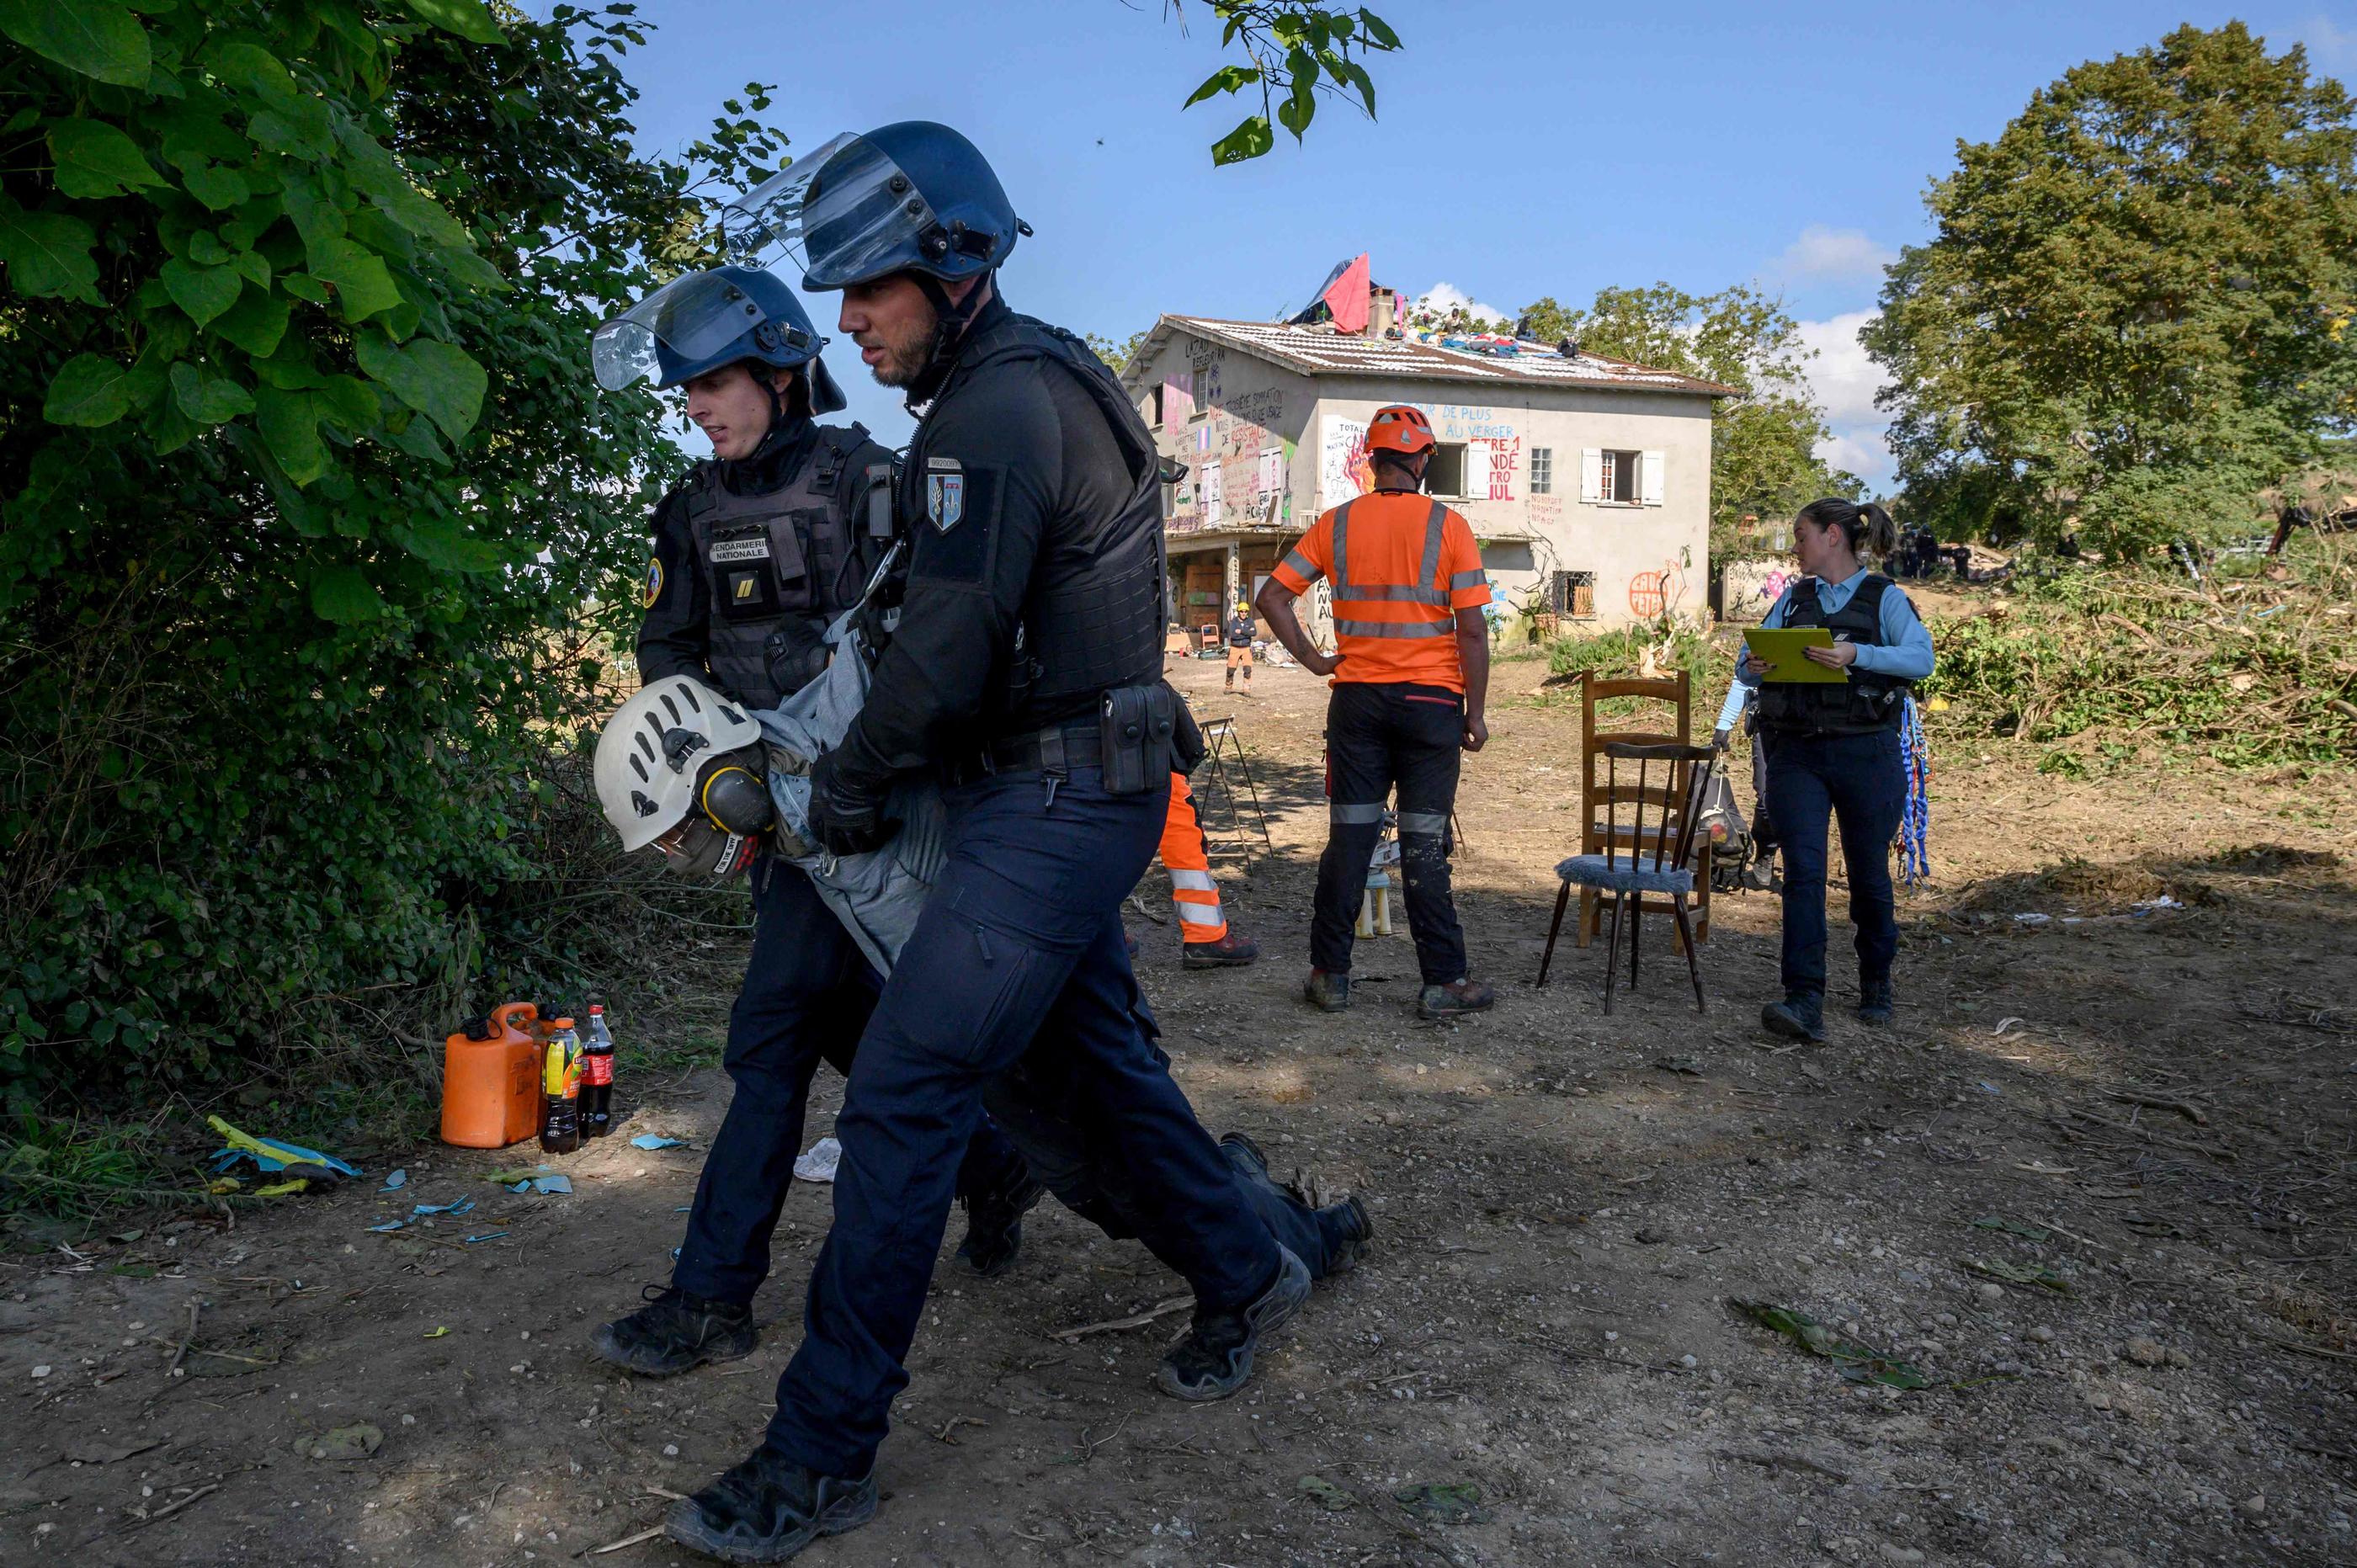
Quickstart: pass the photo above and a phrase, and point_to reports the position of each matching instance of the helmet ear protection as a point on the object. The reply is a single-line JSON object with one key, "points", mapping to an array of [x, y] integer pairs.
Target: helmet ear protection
{"points": [[732, 794]]}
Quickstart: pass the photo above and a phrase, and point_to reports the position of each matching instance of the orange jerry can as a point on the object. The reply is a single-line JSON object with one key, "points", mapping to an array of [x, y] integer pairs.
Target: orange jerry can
{"points": [[491, 1081]]}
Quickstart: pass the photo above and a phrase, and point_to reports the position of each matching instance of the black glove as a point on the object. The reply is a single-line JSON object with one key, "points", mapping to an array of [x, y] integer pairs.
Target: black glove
{"points": [[846, 819]]}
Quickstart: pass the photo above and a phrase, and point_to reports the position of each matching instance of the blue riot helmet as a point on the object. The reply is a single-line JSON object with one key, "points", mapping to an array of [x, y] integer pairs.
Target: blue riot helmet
{"points": [[913, 197], [704, 320]]}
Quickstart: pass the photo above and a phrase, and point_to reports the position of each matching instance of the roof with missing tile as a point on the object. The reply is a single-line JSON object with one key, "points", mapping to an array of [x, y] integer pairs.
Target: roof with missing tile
{"points": [[1321, 351]]}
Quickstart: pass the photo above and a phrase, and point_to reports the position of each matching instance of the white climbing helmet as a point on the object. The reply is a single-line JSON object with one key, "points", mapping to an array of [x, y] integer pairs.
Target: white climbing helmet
{"points": [[680, 753]]}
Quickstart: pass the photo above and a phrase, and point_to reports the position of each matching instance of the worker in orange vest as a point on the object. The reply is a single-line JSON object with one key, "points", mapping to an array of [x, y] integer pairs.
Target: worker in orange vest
{"points": [[1204, 939], [1411, 679]]}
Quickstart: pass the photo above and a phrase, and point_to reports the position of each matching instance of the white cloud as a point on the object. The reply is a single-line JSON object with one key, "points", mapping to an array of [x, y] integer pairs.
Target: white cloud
{"points": [[1444, 296], [1822, 253], [2330, 49], [1845, 381]]}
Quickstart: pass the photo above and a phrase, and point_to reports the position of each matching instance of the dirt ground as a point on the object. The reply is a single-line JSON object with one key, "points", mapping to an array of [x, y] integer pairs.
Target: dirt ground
{"points": [[2160, 1105]]}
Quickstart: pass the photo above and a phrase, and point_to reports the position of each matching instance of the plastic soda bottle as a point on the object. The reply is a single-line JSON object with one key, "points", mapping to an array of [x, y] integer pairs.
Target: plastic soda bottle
{"points": [[560, 1127], [597, 1076]]}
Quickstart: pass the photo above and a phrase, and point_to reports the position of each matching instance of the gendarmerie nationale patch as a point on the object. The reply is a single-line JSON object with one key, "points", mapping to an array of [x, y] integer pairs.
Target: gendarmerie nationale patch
{"points": [[945, 499]]}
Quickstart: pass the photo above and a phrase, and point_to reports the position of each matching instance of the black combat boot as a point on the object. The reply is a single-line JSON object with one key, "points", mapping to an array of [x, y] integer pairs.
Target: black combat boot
{"points": [[768, 1508], [1800, 1016], [676, 1332], [993, 1227], [1874, 1001], [1215, 1359]]}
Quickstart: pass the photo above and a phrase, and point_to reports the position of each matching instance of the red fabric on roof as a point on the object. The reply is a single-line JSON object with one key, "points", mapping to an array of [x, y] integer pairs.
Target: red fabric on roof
{"points": [[1346, 297]]}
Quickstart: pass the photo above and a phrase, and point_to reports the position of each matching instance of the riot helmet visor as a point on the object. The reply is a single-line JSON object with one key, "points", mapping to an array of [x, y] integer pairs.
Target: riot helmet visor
{"points": [[693, 317], [846, 210]]}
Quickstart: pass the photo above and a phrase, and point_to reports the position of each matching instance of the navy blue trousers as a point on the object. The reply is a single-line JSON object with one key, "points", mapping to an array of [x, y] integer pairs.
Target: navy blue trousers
{"points": [[807, 994], [1020, 942], [1857, 781]]}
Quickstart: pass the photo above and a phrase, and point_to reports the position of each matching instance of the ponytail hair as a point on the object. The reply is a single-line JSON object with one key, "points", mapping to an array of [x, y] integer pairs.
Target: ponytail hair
{"points": [[1866, 527]]}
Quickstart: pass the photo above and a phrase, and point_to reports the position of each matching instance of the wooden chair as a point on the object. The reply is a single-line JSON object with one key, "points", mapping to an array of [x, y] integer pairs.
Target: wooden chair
{"points": [[1629, 875], [1677, 691]]}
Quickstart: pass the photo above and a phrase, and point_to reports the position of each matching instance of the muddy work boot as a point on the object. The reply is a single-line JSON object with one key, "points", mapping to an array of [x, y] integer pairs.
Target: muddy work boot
{"points": [[1326, 993], [1215, 1359], [1800, 1016], [1875, 1002], [994, 1228], [676, 1332], [1231, 951], [766, 1509], [1351, 1221], [1454, 998]]}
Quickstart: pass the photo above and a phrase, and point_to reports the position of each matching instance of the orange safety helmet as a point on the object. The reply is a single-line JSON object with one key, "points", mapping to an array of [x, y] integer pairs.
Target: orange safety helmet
{"points": [[1402, 429]]}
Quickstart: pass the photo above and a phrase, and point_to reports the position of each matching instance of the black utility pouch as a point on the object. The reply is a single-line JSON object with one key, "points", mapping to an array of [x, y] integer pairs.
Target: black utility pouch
{"points": [[1187, 747], [1135, 725]]}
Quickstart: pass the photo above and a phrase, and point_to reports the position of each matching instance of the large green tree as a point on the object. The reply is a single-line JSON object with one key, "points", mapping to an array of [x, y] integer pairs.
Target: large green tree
{"points": [[1764, 459], [313, 525], [2130, 319]]}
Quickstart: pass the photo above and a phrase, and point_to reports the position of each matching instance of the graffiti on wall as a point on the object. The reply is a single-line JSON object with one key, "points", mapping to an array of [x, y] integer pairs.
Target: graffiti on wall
{"points": [[1652, 592], [1545, 510], [1505, 456], [1464, 421], [1343, 470]]}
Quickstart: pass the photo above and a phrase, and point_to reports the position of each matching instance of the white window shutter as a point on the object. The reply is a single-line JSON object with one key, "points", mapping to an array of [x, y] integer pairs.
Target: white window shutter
{"points": [[1656, 464], [1591, 474]]}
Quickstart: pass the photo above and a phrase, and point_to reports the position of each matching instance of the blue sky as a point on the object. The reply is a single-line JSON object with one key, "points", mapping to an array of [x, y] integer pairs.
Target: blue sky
{"points": [[1523, 147]]}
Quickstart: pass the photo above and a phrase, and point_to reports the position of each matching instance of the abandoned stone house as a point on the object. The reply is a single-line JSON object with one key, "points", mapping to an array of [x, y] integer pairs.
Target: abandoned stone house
{"points": [[1587, 480]]}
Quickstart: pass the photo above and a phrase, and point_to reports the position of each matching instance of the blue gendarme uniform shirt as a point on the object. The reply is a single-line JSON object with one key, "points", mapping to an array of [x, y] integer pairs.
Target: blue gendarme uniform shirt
{"points": [[1905, 651]]}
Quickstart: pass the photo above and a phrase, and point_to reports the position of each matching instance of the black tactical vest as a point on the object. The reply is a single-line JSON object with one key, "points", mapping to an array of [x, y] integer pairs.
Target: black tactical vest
{"points": [[779, 567], [1092, 625], [1868, 701]]}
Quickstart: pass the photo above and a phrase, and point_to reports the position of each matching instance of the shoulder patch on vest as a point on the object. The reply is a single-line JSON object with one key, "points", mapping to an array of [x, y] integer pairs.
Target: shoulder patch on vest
{"points": [[964, 507], [654, 581]]}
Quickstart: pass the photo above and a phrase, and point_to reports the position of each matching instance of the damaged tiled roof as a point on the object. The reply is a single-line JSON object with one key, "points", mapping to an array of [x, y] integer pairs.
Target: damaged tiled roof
{"points": [[1321, 350]]}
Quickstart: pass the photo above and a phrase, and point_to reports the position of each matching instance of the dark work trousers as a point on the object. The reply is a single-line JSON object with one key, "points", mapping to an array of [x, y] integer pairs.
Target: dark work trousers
{"points": [[1378, 736], [1019, 941], [1856, 780], [1050, 1113], [807, 994]]}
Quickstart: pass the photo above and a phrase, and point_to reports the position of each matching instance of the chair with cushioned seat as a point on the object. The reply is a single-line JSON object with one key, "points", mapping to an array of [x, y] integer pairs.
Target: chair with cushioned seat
{"points": [[1668, 871]]}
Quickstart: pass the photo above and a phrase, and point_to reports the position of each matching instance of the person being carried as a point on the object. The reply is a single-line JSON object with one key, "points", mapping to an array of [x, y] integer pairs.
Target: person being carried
{"points": [[1833, 752], [1411, 679]]}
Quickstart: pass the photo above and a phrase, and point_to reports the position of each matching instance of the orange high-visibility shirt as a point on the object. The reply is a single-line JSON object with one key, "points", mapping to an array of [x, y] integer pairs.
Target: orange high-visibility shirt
{"points": [[1402, 566]]}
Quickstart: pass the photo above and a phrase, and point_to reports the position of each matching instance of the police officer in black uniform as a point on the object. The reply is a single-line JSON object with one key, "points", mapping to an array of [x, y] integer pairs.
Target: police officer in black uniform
{"points": [[756, 552], [1025, 674]]}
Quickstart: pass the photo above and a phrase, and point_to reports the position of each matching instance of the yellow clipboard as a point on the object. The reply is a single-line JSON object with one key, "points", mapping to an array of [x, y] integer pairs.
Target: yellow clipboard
{"points": [[1778, 648]]}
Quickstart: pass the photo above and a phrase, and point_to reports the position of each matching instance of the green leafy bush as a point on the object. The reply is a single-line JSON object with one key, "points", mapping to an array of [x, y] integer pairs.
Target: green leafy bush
{"points": [[315, 530]]}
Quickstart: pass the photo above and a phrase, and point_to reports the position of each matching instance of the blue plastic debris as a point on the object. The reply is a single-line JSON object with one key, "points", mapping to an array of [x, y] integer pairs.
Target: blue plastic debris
{"points": [[656, 1141], [544, 1184], [397, 1179], [390, 1225], [422, 1210], [483, 1236]]}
